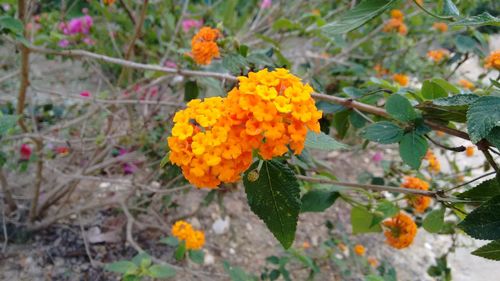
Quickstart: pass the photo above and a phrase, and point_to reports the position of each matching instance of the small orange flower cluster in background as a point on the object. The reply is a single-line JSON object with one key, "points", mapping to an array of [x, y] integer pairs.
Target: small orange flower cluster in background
{"points": [[401, 79], [373, 262], [359, 250], [418, 202], [273, 110], [438, 55], [204, 145], [194, 239], [434, 165], [401, 230], [213, 140], [466, 84], [109, 2], [203, 45], [440, 26], [380, 70], [469, 151], [493, 60], [396, 23]]}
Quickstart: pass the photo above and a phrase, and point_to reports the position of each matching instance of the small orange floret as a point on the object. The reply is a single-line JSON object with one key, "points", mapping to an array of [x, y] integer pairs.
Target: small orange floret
{"points": [[194, 239], [401, 230], [379, 70], [440, 26], [466, 84], [469, 151], [203, 45], [395, 25], [493, 60], [397, 14], [438, 55], [373, 261], [418, 202], [359, 250], [434, 164], [109, 2], [401, 79]]}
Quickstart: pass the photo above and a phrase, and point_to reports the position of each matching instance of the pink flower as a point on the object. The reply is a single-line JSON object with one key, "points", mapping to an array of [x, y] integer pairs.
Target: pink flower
{"points": [[191, 23], [64, 43], [25, 151], [79, 25], [265, 4], [377, 157], [85, 94], [170, 64], [88, 41]]}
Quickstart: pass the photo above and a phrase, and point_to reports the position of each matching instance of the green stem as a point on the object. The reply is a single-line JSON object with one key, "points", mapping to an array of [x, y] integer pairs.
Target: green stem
{"points": [[449, 18]]}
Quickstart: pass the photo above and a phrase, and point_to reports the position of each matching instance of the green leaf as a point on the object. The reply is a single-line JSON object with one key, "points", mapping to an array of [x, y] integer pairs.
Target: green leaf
{"points": [[274, 198], [484, 191], [452, 108], [322, 141], [479, 20], [161, 271], [341, 122], [458, 100], [482, 116], [7, 122], [489, 251], [197, 256], [400, 108], [171, 241], [494, 137], [358, 16], [434, 221], [165, 160], [465, 43], [361, 221], [446, 85], [12, 24], [236, 273], [285, 24], [124, 267], [484, 222], [449, 9], [180, 251], [382, 132], [372, 277], [318, 201], [142, 260], [387, 209], [191, 90], [412, 149], [431, 90], [234, 63]]}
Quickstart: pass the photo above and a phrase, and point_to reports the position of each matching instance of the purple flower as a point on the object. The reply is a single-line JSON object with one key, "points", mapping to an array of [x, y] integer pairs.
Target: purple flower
{"points": [[129, 168], [265, 4], [377, 157], [191, 23], [64, 43], [85, 94], [88, 41]]}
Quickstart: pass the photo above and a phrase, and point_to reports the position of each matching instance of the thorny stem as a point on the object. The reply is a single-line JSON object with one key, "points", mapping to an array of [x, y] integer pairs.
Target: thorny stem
{"points": [[468, 182]]}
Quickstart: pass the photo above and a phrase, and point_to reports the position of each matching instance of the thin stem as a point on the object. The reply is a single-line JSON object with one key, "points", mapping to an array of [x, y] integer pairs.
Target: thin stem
{"points": [[455, 149], [371, 186], [468, 182], [449, 18]]}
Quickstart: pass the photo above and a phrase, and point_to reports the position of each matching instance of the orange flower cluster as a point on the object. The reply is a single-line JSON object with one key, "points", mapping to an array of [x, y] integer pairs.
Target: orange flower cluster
{"points": [[359, 250], [440, 26], [203, 45], [493, 60], [204, 145], [401, 230], [109, 2], [469, 151], [194, 239], [381, 71], [418, 202], [213, 140], [396, 23], [466, 84], [273, 110], [438, 55], [401, 79], [434, 165]]}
